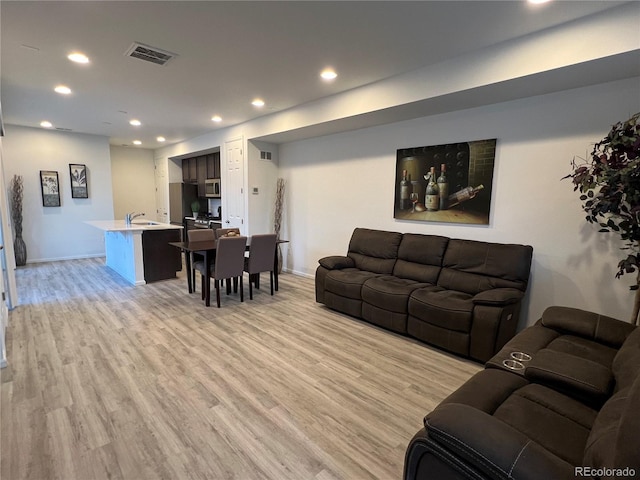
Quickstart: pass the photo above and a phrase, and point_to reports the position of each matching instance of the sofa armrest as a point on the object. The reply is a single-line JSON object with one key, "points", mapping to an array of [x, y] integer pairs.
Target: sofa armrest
{"points": [[588, 381], [498, 297], [492, 446], [336, 262], [590, 325]]}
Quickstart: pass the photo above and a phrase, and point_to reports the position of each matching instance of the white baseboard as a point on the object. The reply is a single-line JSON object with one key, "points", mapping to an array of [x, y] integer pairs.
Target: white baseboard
{"points": [[300, 274], [60, 259], [4, 319]]}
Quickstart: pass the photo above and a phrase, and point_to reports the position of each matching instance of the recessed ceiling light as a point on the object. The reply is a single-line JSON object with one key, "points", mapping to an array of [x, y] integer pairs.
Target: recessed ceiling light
{"points": [[137, 142], [216, 118], [257, 102], [161, 139], [536, 2], [328, 74], [46, 124], [78, 57], [135, 123], [63, 89]]}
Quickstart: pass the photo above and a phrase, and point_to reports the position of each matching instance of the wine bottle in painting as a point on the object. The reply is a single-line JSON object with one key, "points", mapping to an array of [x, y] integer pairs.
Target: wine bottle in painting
{"points": [[443, 187], [431, 200], [404, 191], [463, 195]]}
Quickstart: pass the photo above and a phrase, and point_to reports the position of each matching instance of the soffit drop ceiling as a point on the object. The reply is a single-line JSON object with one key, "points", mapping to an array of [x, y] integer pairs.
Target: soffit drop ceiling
{"points": [[230, 52]]}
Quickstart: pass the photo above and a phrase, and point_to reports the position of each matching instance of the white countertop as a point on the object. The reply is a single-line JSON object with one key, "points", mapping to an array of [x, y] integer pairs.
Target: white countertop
{"points": [[136, 226]]}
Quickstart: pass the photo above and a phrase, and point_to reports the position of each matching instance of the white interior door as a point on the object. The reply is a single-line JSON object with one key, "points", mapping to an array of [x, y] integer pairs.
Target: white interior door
{"points": [[8, 288], [4, 321], [233, 191], [162, 214]]}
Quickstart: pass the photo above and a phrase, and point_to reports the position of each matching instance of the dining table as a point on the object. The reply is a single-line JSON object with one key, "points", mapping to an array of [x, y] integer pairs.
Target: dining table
{"points": [[208, 250]]}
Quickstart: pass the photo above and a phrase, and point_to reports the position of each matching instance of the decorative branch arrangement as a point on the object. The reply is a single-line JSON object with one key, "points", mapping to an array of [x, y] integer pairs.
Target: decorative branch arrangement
{"points": [[277, 221], [609, 184], [16, 190]]}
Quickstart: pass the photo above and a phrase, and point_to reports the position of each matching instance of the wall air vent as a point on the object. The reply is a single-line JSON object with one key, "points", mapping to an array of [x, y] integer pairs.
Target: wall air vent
{"points": [[149, 54], [62, 129]]}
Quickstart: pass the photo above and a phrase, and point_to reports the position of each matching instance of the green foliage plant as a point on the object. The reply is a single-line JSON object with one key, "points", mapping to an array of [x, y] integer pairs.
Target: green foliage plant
{"points": [[609, 186]]}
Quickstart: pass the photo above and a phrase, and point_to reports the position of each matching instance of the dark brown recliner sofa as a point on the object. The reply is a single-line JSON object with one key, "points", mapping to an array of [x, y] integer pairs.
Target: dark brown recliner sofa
{"points": [[572, 411], [461, 295]]}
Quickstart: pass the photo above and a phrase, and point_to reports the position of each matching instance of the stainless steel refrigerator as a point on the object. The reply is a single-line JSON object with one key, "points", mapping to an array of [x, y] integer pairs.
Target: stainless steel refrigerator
{"points": [[181, 195]]}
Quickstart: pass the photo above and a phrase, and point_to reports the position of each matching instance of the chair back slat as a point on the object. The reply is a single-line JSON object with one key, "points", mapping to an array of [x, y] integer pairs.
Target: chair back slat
{"points": [[201, 235]]}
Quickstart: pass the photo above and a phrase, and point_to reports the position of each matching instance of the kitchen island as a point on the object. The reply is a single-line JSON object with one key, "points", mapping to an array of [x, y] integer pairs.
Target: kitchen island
{"points": [[140, 251]]}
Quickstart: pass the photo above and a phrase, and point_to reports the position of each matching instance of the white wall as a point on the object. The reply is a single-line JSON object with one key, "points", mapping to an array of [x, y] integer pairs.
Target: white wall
{"points": [[133, 181], [56, 233], [262, 174], [342, 181]]}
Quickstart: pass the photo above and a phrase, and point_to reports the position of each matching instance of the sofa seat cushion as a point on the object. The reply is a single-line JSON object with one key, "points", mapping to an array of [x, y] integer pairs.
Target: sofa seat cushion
{"points": [[584, 348], [444, 308], [559, 423], [549, 418], [389, 292], [487, 390], [347, 282]]}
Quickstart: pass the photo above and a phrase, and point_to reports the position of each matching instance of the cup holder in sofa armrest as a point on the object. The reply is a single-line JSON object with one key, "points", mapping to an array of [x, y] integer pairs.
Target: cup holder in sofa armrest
{"points": [[514, 361], [575, 376]]}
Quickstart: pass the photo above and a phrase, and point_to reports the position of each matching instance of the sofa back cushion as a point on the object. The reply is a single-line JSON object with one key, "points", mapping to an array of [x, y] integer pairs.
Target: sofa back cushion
{"points": [[420, 257], [374, 250], [614, 441], [472, 267], [626, 364]]}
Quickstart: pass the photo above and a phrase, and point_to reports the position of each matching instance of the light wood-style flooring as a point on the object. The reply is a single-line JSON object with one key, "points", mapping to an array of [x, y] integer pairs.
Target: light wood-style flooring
{"points": [[110, 381]]}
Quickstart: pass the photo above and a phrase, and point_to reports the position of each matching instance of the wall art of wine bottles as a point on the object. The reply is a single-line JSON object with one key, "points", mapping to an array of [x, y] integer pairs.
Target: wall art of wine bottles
{"points": [[449, 183]]}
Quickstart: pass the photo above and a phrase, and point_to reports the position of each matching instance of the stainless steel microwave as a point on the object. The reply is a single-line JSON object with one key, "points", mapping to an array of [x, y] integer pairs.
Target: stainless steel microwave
{"points": [[212, 187]]}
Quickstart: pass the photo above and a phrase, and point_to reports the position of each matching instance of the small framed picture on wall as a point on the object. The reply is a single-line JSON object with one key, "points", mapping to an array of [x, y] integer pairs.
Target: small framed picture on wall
{"points": [[50, 188], [78, 173]]}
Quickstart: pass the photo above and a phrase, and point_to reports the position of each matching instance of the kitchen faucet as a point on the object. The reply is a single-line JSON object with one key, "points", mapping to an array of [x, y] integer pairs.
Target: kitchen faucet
{"points": [[130, 216]]}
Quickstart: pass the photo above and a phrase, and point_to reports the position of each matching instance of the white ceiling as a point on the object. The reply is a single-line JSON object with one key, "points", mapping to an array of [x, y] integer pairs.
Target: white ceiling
{"points": [[229, 53]]}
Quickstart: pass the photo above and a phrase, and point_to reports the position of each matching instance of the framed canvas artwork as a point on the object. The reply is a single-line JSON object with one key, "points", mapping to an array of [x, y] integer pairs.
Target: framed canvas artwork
{"points": [[449, 183], [50, 187], [78, 173]]}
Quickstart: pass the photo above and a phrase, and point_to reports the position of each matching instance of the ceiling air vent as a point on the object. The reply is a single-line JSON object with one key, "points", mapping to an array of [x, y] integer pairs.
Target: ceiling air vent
{"points": [[149, 54]]}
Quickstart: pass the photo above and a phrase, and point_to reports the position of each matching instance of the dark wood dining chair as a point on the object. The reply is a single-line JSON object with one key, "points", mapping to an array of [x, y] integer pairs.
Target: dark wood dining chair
{"points": [[229, 232], [261, 259], [200, 235], [229, 264]]}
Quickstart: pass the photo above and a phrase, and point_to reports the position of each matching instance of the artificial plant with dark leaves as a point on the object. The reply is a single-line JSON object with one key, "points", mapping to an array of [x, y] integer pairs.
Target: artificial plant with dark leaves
{"points": [[609, 185]]}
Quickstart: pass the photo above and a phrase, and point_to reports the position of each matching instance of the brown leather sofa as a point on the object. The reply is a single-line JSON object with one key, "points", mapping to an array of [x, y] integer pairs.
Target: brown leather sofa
{"points": [[571, 411], [461, 295]]}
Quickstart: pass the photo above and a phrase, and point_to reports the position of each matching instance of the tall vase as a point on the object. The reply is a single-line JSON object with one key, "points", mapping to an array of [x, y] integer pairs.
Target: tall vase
{"points": [[279, 260], [20, 250]]}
